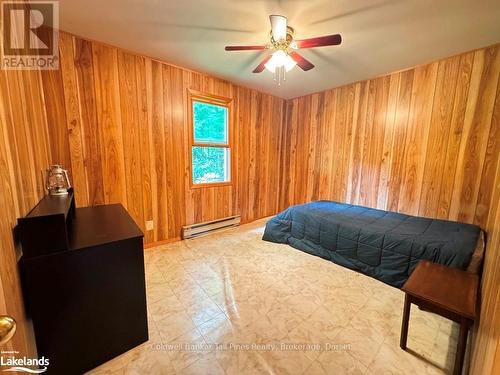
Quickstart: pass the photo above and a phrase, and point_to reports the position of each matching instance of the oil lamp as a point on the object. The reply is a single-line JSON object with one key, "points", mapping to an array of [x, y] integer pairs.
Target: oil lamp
{"points": [[57, 181]]}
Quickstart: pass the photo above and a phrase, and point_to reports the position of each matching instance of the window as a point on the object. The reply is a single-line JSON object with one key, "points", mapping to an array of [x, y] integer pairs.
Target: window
{"points": [[210, 140]]}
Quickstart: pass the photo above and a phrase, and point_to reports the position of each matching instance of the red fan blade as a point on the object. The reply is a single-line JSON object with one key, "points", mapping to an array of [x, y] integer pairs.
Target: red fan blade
{"points": [[261, 66], [321, 41], [245, 48], [303, 64]]}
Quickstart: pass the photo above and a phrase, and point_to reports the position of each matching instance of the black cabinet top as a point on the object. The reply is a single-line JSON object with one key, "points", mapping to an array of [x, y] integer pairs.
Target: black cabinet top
{"points": [[99, 225], [53, 205], [55, 226]]}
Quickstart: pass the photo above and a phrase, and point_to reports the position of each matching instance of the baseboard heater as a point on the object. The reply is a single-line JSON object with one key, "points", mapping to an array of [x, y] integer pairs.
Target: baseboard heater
{"points": [[201, 229]]}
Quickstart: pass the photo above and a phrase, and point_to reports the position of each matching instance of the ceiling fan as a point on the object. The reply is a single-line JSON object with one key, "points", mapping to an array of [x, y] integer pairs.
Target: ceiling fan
{"points": [[284, 47]]}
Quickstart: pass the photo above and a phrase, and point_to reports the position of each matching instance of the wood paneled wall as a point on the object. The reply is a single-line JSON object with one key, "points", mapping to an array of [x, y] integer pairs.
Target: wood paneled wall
{"points": [[118, 121], [24, 153], [424, 141], [486, 355]]}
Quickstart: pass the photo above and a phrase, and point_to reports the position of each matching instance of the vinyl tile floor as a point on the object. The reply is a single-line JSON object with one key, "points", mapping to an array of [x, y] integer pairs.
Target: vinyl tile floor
{"points": [[230, 303]]}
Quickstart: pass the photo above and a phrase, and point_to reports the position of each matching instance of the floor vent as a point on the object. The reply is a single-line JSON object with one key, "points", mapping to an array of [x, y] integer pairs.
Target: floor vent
{"points": [[201, 229]]}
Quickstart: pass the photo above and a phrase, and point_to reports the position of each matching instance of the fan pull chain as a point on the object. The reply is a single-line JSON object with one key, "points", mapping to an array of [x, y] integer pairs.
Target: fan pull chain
{"points": [[279, 75]]}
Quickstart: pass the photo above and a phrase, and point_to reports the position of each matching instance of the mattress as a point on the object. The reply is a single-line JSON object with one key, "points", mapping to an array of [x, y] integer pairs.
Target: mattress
{"points": [[382, 244]]}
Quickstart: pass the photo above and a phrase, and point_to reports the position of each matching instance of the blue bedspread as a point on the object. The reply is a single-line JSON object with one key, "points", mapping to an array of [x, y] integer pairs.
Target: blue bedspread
{"points": [[382, 244]]}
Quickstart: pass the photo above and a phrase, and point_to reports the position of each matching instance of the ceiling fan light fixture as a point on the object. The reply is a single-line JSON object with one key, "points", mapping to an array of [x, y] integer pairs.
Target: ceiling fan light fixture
{"points": [[280, 59], [285, 56]]}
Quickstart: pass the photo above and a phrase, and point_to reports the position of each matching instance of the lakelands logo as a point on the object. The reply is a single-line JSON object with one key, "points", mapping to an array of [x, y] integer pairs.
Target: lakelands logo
{"points": [[23, 364], [29, 35]]}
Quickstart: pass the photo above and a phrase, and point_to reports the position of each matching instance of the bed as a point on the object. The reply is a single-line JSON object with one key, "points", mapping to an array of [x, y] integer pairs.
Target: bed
{"points": [[382, 244]]}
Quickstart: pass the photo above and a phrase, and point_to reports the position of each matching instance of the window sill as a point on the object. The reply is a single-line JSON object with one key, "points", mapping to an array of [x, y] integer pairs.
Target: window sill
{"points": [[211, 185]]}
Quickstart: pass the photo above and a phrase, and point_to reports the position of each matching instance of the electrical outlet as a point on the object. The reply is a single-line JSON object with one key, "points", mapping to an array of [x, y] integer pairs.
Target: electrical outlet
{"points": [[149, 225]]}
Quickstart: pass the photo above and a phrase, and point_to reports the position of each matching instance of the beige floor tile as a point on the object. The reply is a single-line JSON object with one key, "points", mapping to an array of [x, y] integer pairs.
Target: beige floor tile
{"points": [[392, 360], [315, 294], [243, 362], [363, 342], [212, 285], [283, 318], [165, 307], [174, 326], [318, 328], [287, 361], [316, 369], [103, 370], [154, 276], [187, 349], [156, 292], [387, 326], [203, 311], [202, 272], [265, 331], [242, 313], [265, 304], [218, 330], [352, 297], [316, 339], [300, 305], [339, 362], [149, 361], [444, 350], [180, 281], [223, 299], [192, 295], [154, 333], [208, 364]]}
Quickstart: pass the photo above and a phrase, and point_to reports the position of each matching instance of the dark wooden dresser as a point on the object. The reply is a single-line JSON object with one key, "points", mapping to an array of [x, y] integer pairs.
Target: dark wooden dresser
{"points": [[83, 281]]}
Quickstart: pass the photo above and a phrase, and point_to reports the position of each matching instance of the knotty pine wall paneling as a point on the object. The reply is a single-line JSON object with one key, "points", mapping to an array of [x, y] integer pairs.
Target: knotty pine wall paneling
{"points": [[423, 141], [486, 353], [24, 154], [119, 123]]}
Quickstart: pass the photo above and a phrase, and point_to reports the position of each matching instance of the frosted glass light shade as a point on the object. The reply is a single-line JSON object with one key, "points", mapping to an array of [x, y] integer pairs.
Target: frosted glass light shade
{"points": [[279, 59], [289, 63]]}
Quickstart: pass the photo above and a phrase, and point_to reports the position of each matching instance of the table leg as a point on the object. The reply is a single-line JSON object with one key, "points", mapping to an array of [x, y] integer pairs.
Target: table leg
{"points": [[406, 318], [462, 344]]}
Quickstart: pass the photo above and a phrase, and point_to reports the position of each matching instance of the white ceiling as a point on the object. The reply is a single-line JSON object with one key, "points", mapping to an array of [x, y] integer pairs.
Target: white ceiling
{"points": [[379, 36]]}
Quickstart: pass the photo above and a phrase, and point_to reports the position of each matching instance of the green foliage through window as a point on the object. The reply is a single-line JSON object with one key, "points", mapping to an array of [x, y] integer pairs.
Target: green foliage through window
{"points": [[210, 123], [211, 164]]}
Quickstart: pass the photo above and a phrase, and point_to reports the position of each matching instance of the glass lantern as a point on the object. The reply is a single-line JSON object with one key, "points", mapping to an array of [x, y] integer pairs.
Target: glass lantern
{"points": [[57, 181]]}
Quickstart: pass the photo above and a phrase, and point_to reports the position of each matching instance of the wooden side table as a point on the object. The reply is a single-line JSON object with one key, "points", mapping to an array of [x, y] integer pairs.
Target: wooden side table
{"points": [[449, 292]]}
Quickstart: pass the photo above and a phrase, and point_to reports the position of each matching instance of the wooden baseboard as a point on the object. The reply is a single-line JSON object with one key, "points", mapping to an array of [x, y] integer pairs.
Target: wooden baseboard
{"points": [[162, 242]]}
